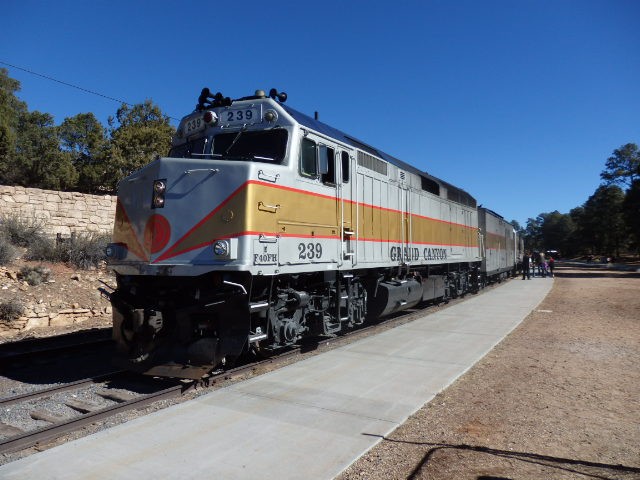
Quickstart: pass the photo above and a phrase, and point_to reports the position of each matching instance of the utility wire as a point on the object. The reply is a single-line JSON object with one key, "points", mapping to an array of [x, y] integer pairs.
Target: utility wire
{"points": [[72, 86]]}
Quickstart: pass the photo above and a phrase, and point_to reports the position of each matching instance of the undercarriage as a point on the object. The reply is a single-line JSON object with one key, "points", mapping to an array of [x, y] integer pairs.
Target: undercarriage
{"points": [[189, 326]]}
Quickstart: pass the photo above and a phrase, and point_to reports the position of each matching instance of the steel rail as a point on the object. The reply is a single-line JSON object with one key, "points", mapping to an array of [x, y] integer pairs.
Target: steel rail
{"points": [[29, 439], [58, 388]]}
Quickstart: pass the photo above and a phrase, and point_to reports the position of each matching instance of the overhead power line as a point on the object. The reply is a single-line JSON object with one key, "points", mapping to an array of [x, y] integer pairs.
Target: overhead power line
{"points": [[92, 92]]}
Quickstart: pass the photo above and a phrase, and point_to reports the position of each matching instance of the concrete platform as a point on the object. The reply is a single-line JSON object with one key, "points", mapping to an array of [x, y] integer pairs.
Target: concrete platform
{"points": [[308, 420]]}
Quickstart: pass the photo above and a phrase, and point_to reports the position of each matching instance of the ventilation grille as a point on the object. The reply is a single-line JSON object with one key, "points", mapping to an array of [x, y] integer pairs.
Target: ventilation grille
{"points": [[460, 196], [372, 163], [430, 186]]}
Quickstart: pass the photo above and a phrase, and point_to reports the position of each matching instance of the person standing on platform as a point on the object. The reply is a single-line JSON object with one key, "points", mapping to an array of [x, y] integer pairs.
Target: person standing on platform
{"points": [[542, 271], [551, 265], [526, 266]]}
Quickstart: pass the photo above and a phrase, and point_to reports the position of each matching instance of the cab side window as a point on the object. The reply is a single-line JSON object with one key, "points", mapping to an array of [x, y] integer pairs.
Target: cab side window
{"points": [[345, 167], [327, 164], [318, 161], [308, 162]]}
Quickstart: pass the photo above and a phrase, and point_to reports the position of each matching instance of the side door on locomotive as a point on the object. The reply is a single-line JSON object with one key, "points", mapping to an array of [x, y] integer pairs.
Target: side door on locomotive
{"points": [[317, 227]]}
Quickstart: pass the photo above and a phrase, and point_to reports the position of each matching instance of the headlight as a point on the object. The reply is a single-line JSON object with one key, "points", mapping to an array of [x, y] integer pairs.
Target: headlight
{"points": [[116, 251], [159, 186], [221, 248], [159, 189], [271, 115], [210, 117]]}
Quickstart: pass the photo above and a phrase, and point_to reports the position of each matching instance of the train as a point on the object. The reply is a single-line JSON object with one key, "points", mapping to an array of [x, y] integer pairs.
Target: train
{"points": [[264, 226]]}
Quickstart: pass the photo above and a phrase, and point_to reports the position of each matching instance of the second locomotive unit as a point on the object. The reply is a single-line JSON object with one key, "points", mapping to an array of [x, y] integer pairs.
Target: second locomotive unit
{"points": [[264, 226]]}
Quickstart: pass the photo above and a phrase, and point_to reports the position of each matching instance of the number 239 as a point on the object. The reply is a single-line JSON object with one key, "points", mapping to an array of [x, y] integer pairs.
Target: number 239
{"points": [[309, 251], [239, 115]]}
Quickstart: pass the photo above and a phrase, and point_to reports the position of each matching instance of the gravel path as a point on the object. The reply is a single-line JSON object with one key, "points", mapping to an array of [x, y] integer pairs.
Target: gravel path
{"points": [[558, 398]]}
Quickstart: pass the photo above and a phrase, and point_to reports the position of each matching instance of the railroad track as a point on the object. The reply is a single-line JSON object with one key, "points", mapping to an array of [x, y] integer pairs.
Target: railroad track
{"points": [[26, 350], [5, 402], [88, 412]]}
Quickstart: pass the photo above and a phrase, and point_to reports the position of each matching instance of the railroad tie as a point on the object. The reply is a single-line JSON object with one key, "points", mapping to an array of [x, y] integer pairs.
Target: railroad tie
{"points": [[119, 397], [48, 416], [9, 430], [81, 405]]}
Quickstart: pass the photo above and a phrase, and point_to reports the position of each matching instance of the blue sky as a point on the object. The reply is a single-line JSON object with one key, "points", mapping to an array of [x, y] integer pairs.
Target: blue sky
{"points": [[520, 103]]}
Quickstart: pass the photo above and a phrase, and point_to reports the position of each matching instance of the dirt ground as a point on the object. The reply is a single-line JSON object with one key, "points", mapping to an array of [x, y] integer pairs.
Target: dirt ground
{"points": [[62, 289], [559, 398]]}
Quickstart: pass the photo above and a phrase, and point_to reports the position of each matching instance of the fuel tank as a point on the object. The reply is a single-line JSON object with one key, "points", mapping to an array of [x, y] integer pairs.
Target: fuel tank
{"points": [[392, 296]]}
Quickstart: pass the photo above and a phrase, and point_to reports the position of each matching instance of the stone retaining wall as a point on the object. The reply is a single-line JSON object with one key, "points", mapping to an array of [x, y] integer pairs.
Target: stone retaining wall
{"points": [[43, 319], [60, 212]]}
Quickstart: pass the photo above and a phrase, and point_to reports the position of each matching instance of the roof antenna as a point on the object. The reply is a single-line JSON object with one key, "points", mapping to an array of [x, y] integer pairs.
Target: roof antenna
{"points": [[315, 115]]}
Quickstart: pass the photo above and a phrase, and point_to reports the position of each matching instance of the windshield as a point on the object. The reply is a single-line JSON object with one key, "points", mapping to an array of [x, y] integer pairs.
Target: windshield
{"points": [[193, 149], [263, 145]]}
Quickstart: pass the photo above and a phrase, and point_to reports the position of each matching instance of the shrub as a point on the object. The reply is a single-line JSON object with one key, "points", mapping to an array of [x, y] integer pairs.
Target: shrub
{"points": [[7, 252], [11, 309], [21, 232], [43, 249], [84, 251], [34, 275]]}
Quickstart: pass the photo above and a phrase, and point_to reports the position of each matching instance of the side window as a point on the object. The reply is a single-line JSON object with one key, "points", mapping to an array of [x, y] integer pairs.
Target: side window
{"points": [[327, 164], [345, 167], [308, 164]]}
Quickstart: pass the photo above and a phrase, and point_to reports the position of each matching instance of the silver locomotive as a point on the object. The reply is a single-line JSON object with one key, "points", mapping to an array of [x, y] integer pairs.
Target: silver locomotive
{"points": [[264, 226]]}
